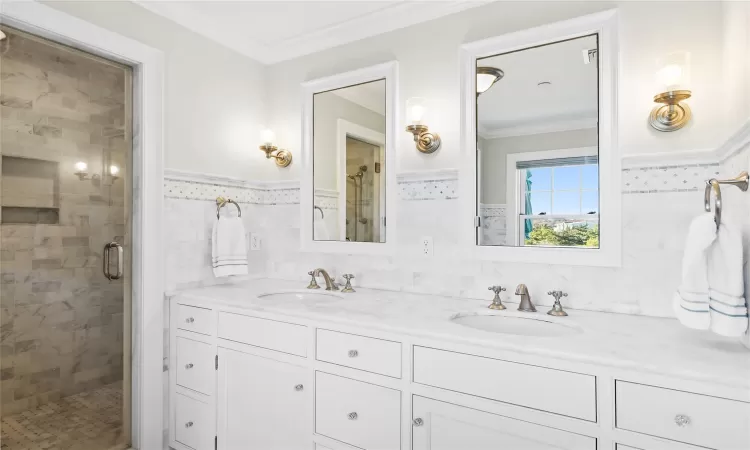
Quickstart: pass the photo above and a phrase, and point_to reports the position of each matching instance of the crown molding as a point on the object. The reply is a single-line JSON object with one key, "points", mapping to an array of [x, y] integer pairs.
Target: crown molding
{"points": [[394, 17], [528, 129]]}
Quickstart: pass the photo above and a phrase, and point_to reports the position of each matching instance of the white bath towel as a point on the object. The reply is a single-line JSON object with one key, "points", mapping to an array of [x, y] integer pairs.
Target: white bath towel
{"points": [[691, 301], [229, 247], [726, 286]]}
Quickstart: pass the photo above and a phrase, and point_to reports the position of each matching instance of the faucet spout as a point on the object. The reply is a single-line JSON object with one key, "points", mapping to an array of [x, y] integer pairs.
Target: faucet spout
{"points": [[330, 283], [525, 304]]}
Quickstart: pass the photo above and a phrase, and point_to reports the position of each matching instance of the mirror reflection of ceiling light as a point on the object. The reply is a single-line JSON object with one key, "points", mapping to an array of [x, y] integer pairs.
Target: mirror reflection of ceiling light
{"points": [[486, 77]]}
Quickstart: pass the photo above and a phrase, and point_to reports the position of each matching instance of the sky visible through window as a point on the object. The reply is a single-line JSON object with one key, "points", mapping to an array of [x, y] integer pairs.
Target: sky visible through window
{"points": [[564, 190]]}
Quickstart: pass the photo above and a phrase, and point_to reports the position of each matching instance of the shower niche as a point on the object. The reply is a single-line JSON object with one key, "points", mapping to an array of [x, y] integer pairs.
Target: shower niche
{"points": [[30, 191]]}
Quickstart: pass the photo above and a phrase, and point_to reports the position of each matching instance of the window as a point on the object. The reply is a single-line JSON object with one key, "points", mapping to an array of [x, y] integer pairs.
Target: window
{"points": [[559, 202]]}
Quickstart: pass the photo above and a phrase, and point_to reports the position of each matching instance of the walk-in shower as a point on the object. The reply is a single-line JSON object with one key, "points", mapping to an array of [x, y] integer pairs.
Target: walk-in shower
{"points": [[65, 142]]}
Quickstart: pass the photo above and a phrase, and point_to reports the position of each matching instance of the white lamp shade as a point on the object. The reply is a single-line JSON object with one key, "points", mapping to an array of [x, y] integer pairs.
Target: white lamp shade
{"points": [[484, 81], [267, 137], [114, 170], [81, 166], [673, 71], [416, 109]]}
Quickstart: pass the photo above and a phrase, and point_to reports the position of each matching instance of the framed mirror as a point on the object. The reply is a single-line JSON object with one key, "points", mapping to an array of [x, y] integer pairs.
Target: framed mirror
{"points": [[348, 159], [543, 173]]}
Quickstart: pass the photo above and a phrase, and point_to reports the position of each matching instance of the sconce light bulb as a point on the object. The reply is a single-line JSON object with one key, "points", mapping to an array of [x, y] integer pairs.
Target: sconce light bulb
{"points": [[670, 76], [114, 170], [267, 137], [81, 166], [417, 114]]}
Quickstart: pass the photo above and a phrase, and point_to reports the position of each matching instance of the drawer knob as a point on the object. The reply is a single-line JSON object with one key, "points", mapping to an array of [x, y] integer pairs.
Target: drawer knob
{"points": [[189, 320], [681, 420], [189, 366], [353, 353], [189, 424], [352, 416], [418, 422], [299, 387]]}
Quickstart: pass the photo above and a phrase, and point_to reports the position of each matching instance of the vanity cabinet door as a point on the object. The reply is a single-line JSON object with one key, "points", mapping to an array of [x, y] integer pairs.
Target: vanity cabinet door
{"points": [[445, 426], [262, 404]]}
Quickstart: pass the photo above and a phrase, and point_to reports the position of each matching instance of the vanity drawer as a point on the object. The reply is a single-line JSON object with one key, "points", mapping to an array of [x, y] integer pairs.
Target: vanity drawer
{"points": [[357, 413], [194, 319], [359, 352], [265, 333], [567, 393], [193, 423], [195, 365], [682, 416]]}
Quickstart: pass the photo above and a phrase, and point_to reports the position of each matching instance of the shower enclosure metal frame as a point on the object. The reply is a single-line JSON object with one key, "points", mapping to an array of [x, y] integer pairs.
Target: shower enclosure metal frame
{"points": [[146, 370]]}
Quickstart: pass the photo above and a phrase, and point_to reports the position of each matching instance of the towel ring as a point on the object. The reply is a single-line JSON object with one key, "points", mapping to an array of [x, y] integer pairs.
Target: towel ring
{"points": [[713, 184], [221, 202], [742, 181]]}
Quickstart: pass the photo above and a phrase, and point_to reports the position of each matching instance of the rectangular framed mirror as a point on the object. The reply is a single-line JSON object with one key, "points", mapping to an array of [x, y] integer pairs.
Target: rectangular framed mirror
{"points": [[348, 159], [541, 182]]}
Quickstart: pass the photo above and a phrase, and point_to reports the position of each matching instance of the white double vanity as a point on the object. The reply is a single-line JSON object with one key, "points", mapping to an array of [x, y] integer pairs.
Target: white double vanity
{"points": [[305, 369], [269, 365]]}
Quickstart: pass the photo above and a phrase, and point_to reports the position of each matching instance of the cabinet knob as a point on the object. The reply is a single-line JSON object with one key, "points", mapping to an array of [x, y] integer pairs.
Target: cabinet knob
{"points": [[299, 387], [189, 424], [352, 416], [681, 420], [418, 422], [353, 353], [189, 366], [189, 320]]}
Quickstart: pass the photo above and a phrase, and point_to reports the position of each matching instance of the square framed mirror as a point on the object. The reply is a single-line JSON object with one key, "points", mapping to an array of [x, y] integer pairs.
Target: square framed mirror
{"points": [[348, 162], [541, 175]]}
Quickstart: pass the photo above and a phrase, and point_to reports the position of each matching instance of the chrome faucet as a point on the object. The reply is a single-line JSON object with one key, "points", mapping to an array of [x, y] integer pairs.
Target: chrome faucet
{"points": [[525, 304], [330, 283]]}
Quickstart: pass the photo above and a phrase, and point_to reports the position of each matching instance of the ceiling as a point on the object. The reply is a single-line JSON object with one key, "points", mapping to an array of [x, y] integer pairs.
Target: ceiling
{"points": [[274, 31], [368, 95], [569, 102]]}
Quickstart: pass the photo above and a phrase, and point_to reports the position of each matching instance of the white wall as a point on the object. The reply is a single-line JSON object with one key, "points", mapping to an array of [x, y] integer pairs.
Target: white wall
{"points": [[495, 154], [214, 97], [736, 41]]}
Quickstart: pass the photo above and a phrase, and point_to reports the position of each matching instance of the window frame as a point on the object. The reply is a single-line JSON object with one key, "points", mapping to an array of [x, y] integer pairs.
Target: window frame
{"points": [[515, 190]]}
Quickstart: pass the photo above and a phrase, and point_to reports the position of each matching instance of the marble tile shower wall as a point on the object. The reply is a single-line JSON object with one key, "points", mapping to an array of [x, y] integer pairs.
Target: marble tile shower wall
{"points": [[61, 327], [658, 204]]}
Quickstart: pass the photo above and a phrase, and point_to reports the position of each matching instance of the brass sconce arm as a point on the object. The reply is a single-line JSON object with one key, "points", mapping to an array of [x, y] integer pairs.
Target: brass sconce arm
{"points": [[425, 141], [283, 157], [672, 114]]}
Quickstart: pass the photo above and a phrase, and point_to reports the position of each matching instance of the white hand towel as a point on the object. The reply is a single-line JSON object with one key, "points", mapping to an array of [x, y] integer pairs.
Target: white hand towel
{"points": [[726, 285], [691, 301], [229, 247]]}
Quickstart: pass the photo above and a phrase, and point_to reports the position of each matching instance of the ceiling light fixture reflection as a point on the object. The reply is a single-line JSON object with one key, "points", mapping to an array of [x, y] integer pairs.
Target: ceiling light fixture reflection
{"points": [[486, 77]]}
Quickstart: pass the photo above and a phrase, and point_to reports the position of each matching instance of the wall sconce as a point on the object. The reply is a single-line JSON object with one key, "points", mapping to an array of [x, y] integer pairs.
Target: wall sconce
{"points": [[82, 171], [283, 157], [673, 74], [114, 172], [425, 141]]}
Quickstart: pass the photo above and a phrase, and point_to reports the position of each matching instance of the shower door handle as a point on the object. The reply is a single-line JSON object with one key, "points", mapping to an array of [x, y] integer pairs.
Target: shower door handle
{"points": [[106, 257]]}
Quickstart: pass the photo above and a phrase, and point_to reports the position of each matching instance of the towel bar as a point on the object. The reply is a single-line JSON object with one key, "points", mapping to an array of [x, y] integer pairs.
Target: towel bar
{"points": [[221, 202], [741, 181]]}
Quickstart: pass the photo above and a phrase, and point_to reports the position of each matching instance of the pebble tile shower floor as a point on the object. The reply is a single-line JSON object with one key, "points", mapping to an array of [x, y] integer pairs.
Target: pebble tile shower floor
{"points": [[86, 421]]}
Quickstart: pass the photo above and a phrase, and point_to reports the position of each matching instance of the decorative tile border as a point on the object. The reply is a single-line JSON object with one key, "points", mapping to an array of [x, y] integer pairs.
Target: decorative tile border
{"points": [[684, 178]]}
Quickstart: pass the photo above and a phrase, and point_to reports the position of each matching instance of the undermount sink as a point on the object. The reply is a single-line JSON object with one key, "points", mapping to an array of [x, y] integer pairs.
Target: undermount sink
{"points": [[519, 326], [309, 297]]}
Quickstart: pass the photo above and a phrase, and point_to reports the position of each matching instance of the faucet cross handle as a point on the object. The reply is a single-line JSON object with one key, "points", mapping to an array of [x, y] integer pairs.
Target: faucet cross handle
{"points": [[348, 288], [313, 282], [496, 302], [557, 309]]}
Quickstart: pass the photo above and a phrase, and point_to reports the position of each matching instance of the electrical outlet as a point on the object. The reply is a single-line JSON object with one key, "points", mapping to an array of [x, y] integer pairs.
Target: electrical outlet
{"points": [[427, 249], [254, 242]]}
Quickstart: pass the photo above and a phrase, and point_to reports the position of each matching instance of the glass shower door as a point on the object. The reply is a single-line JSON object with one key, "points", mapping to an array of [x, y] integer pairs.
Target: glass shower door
{"points": [[65, 147]]}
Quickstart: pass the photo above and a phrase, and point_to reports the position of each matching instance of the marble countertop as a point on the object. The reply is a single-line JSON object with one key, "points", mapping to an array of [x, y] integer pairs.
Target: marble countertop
{"points": [[657, 345]]}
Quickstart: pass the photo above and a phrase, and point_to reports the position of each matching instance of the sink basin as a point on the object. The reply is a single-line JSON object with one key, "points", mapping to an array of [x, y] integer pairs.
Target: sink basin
{"points": [[519, 326], [308, 297]]}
